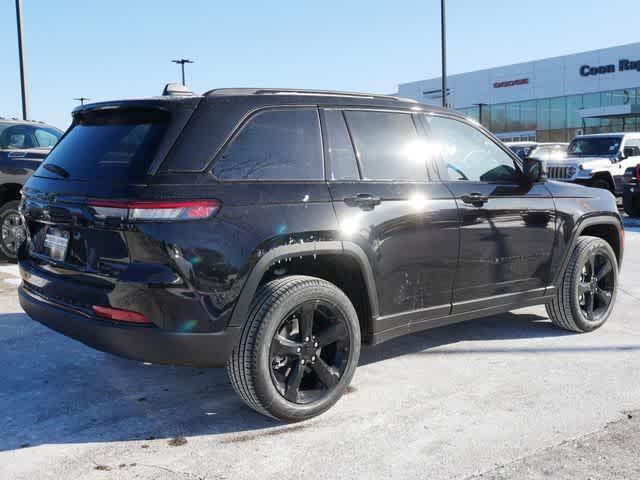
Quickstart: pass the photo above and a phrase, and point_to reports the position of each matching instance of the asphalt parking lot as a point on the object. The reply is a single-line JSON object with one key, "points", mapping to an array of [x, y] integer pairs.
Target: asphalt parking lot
{"points": [[503, 397]]}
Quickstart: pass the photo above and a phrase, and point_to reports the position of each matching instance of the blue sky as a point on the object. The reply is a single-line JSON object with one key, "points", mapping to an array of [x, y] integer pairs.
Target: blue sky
{"points": [[112, 49]]}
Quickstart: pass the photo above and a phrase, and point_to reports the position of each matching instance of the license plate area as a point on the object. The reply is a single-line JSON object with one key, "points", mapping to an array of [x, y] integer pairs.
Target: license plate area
{"points": [[56, 244]]}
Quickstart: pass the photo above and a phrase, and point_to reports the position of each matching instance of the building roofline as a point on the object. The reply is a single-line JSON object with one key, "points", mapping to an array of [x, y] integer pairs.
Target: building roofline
{"points": [[555, 57]]}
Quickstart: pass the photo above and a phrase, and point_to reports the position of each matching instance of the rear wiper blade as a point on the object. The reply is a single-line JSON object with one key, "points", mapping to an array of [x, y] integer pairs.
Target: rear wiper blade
{"points": [[56, 169]]}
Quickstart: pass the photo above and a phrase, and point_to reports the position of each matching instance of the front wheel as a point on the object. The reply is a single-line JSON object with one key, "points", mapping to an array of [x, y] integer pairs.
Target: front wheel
{"points": [[298, 350], [587, 293], [12, 230]]}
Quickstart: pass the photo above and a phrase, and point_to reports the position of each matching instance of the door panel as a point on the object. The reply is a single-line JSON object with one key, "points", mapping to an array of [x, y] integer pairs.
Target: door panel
{"points": [[507, 226], [411, 241], [505, 242]]}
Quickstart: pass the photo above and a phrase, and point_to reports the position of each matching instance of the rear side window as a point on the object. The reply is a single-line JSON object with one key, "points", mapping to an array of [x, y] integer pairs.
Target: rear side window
{"points": [[279, 144], [116, 146], [388, 146], [27, 136], [340, 154]]}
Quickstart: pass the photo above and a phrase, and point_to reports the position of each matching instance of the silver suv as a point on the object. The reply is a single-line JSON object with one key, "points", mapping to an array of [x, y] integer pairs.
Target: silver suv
{"points": [[598, 160]]}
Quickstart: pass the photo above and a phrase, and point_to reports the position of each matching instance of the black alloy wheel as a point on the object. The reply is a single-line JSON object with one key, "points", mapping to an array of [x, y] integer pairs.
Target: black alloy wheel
{"points": [[309, 352], [596, 287], [12, 230]]}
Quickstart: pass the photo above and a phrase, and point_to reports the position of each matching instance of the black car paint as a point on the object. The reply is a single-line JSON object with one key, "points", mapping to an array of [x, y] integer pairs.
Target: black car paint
{"points": [[426, 257]]}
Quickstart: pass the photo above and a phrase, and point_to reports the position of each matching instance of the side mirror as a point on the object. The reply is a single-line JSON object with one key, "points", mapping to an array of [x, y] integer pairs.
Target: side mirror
{"points": [[534, 170], [621, 156]]}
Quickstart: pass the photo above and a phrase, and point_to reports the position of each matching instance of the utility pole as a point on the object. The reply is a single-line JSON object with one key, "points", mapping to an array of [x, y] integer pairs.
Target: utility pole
{"points": [[23, 67], [443, 31], [82, 100], [182, 61]]}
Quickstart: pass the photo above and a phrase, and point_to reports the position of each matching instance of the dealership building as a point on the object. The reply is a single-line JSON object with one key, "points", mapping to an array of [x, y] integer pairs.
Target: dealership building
{"points": [[546, 100]]}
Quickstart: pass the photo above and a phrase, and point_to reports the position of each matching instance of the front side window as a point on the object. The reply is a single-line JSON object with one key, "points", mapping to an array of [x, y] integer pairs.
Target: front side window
{"points": [[388, 145], [463, 152], [275, 145]]}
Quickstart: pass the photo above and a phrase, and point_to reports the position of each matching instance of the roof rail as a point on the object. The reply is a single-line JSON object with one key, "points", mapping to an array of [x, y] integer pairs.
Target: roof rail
{"points": [[297, 91]]}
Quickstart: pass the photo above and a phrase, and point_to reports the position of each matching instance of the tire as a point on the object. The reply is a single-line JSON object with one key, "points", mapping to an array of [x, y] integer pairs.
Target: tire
{"points": [[580, 289], [600, 183], [12, 231], [265, 380]]}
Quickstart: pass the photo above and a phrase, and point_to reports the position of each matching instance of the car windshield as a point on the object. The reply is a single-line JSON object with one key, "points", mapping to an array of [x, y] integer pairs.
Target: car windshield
{"points": [[20, 136], [595, 146]]}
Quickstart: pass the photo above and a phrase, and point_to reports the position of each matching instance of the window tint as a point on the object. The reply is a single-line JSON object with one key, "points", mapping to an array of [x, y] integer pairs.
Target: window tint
{"points": [[275, 145], [113, 146], [388, 145], [464, 153], [340, 155]]}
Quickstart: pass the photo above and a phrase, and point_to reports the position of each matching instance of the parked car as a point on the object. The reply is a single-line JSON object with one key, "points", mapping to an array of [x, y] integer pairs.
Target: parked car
{"points": [[274, 231], [598, 160], [23, 145], [631, 193]]}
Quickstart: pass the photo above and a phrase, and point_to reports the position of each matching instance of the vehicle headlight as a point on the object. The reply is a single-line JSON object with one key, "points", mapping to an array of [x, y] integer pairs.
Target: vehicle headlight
{"points": [[571, 171]]}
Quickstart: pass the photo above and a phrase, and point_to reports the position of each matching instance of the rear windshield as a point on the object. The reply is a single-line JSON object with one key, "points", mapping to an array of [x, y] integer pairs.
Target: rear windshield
{"points": [[107, 146]]}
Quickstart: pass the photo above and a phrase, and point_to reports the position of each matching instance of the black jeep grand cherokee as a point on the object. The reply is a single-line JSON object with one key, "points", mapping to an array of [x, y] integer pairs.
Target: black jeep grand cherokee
{"points": [[273, 231]]}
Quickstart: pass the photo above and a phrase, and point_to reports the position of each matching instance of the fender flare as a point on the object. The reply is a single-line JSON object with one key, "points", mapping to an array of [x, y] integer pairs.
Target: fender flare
{"points": [[598, 218], [334, 247]]}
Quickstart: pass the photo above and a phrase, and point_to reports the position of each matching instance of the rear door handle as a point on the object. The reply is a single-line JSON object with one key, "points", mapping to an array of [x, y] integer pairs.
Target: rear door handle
{"points": [[365, 201], [475, 199]]}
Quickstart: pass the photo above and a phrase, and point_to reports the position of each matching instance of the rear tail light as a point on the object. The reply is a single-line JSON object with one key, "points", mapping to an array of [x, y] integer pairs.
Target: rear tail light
{"points": [[638, 173], [121, 315], [155, 211]]}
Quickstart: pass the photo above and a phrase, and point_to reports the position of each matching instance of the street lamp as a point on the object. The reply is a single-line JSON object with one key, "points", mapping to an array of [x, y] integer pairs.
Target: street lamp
{"points": [[82, 100], [182, 61], [443, 31], [23, 67]]}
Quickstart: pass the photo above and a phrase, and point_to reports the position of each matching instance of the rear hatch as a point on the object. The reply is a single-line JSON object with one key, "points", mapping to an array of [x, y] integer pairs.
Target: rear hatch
{"points": [[108, 155]]}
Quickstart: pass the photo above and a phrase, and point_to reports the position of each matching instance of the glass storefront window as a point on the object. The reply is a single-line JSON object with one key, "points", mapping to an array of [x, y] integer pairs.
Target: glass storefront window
{"points": [[543, 114], [574, 105], [616, 97], [528, 115], [557, 113], [498, 118], [513, 117]]}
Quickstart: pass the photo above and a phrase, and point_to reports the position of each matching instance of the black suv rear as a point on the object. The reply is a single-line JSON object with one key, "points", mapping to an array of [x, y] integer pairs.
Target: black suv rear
{"points": [[273, 231]]}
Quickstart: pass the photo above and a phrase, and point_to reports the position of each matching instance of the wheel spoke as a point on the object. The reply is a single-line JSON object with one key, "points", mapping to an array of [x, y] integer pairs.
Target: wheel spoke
{"points": [[604, 295], [332, 334], [293, 382], [589, 306], [327, 375], [604, 270], [284, 346], [306, 320]]}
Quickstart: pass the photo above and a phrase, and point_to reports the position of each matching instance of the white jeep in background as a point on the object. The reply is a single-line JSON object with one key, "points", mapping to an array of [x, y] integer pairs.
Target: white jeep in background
{"points": [[598, 160]]}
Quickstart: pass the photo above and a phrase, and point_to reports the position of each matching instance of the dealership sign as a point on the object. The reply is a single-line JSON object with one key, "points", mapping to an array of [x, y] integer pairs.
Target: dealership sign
{"points": [[511, 83], [624, 65]]}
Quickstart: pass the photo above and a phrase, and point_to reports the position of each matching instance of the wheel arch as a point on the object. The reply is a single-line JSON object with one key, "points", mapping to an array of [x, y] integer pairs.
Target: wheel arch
{"points": [[320, 259], [607, 226], [9, 192]]}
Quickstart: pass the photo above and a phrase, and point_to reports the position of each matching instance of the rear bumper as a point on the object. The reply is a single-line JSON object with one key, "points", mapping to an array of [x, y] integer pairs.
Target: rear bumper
{"points": [[142, 343]]}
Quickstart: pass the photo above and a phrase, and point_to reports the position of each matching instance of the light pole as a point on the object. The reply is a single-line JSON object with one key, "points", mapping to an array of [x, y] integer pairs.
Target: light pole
{"points": [[82, 100], [23, 67], [443, 31], [182, 61]]}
